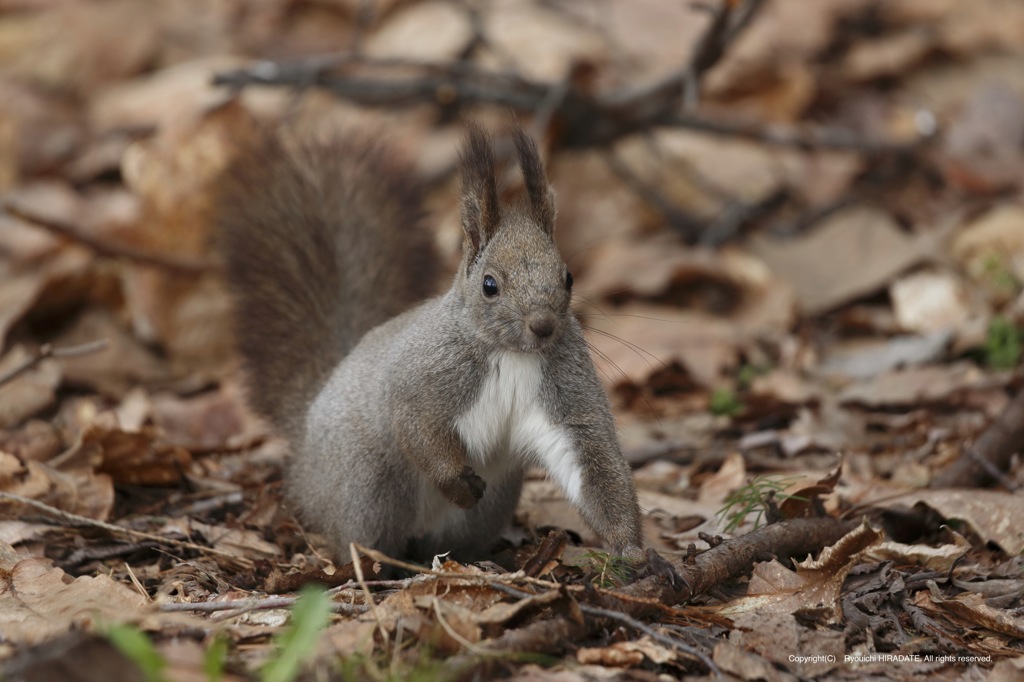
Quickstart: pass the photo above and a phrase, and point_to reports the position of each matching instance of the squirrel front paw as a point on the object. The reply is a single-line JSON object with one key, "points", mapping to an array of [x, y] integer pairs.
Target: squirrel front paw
{"points": [[465, 490], [653, 564]]}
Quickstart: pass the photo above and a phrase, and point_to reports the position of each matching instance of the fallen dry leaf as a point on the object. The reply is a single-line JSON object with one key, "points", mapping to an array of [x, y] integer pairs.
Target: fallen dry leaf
{"points": [[970, 610], [939, 558], [75, 657], [736, 661], [31, 391], [427, 30], [992, 514], [992, 243], [632, 343], [928, 302], [866, 358], [39, 602], [782, 639], [815, 586], [915, 385], [239, 542], [626, 654], [854, 253]]}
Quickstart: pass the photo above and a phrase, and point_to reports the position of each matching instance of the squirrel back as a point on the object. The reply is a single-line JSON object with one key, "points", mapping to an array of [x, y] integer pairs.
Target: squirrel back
{"points": [[339, 223]]}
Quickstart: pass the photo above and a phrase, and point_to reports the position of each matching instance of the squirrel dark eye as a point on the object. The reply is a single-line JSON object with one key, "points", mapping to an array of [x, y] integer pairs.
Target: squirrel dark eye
{"points": [[490, 286], [568, 281]]}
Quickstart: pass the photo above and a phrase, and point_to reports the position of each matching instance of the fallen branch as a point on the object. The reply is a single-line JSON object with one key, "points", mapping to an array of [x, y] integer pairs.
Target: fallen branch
{"points": [[108, 249], [47, 351], [623, 618], [989, 456], [732, 558], [582, 118], [69, 520], [650, 597], [236, 607]]}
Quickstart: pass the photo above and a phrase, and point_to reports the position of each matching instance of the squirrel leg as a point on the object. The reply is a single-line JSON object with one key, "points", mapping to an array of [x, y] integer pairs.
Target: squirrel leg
{"points": [[478, 528], [608, 503], [607, 499], [370, 499], [653, 564], [441, 456]]}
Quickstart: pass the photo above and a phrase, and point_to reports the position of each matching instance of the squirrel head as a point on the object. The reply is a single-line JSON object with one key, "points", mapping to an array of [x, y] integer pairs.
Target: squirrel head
{"points": [[515, 285]]}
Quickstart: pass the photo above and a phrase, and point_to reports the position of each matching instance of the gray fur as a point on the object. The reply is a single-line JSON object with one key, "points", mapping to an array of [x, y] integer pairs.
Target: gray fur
{"points": [[378, 458]]}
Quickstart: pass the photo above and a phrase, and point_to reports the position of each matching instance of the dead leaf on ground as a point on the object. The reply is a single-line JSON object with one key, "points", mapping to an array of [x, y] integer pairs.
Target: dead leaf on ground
{"points": [[626, 654], [635, 342], [992, 246], [113, 370], [983, 140], [240, 542], [915, 385], [133, 457], [814, 587], [36, 288], [939, 558], [39, 602], [173, 174], [992, 514], [80, 490], [32, 391], [543, 504], [737, 661], [866, 358], [206, 422], [74, 657], [931, 301], [427, 30], [970, 610], [854, 253]]}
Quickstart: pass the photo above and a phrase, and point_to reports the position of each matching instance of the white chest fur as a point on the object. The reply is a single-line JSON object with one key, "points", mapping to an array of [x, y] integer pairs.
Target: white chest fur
{"points": [[507, 423]]}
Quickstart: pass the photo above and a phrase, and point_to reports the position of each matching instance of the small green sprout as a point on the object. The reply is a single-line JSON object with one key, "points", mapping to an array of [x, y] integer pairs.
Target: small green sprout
{"points": [[1003, 344], [309, 617], [138, 647], [750, 500], [613, 570], [215, 657], [725, 402]]}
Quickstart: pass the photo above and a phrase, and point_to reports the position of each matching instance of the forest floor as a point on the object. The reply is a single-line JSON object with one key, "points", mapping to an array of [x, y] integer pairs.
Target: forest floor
{"points": [[797, 234]]}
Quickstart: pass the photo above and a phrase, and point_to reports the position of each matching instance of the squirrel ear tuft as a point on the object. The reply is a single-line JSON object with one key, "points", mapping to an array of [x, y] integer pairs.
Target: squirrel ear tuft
{"points": [[542, 196], [481, 213]]}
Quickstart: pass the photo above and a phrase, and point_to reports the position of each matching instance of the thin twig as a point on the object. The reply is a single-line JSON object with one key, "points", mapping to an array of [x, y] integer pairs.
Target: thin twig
{"points": [[465, 643], [236, 607], [627, 620], [689, 227], [987, 458], [47, 351], [77, 521], [108, 249], [358, 567], [138, 585], [841, 139], [482, 579], [586, 120]]}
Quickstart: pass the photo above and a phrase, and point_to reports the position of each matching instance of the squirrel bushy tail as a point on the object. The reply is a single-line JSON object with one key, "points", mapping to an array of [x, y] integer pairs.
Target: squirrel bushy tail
{"points": [[339, 223]]}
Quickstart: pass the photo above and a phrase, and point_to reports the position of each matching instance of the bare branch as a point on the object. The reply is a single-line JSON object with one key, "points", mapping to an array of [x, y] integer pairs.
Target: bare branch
{"points": [[107, 249], [989, 456], [70, 520], [48, 351]]}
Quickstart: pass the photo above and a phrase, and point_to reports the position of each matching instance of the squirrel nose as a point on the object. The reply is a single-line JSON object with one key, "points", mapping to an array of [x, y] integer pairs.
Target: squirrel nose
{"points": [[542, 325]]}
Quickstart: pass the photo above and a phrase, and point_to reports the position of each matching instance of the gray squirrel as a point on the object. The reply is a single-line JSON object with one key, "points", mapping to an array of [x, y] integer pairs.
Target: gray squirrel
{"points": [[412, 419]]}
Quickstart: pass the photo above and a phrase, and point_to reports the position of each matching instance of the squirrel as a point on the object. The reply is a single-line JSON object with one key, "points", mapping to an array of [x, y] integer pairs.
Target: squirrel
{"points": [[412, 419]]}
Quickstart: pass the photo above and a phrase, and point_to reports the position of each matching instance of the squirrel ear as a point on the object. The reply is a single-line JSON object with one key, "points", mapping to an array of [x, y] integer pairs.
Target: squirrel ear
{"points": [[542, 196], [480, 211]]}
